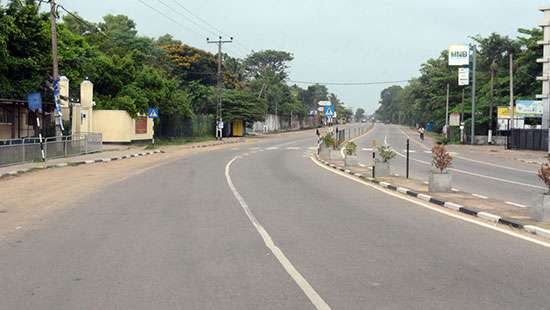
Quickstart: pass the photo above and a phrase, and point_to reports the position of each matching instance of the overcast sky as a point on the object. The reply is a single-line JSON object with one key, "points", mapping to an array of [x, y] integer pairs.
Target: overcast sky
{"points": [[332, 41]]}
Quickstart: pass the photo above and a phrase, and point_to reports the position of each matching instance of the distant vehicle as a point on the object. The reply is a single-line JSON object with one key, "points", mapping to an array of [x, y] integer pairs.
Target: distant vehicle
{"points": [[364, 120]]}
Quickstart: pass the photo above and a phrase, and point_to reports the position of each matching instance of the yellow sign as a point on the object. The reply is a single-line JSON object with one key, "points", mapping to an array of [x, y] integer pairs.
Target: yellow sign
{"points": [[503, 112]]}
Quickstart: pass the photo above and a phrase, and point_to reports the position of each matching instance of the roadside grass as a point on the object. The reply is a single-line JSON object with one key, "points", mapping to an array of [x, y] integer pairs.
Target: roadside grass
{"points": [[178, 141]]}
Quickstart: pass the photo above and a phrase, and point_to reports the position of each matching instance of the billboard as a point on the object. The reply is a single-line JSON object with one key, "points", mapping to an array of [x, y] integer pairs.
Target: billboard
{"points": [[503, 112], [459, 55], [528, 108], [463, 76]]}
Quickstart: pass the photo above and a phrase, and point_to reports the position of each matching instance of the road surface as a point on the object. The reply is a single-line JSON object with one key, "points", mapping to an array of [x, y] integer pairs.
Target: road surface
{"points": [[263, 227], [482, 175]]}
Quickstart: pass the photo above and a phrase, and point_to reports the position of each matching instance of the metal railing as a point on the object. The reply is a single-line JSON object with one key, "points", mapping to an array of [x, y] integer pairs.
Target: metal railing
{"points": [[28, 149]]}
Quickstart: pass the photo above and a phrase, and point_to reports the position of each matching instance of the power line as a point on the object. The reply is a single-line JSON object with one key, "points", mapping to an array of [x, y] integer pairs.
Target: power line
{"points": [[350, 83], [194, 22], [168, 17], [244, 47]]}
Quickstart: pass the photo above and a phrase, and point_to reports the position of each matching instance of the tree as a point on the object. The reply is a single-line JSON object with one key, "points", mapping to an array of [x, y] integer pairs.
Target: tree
{"points": [[242, 105], [359, 114], [268, 68]]}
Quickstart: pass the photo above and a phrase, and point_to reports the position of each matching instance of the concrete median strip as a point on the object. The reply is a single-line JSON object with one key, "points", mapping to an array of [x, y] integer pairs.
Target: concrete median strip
{"points": [[447, 204]]}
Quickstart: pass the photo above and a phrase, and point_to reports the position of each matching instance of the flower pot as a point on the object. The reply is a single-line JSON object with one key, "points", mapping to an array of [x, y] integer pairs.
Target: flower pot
{"points": [[351, 161], [335, 154], [440, 182], [382, 169], [324, 151], [542, 210]]}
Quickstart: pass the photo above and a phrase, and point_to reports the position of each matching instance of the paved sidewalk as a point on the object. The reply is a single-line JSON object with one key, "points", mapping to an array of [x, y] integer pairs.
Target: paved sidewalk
{"points": [[110, 152]]}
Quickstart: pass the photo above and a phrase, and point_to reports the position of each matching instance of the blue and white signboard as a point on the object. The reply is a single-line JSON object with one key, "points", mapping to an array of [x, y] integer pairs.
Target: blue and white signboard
{"points": [[329, 110], [528, 108], [153, 113], [35, 102]]}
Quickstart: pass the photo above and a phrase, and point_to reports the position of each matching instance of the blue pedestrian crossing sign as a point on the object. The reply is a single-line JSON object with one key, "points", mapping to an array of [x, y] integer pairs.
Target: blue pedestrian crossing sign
{"points": [[329, 110], [153, 113]]}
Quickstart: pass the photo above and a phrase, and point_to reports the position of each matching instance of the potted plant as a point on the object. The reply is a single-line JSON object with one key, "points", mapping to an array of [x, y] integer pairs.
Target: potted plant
{"points": [[440, 178], [351, 155], [382, 162], [327, 148], [542, 211]]}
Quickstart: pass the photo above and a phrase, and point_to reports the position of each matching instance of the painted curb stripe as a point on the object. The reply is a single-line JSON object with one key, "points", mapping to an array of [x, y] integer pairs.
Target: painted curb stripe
{"points": [[468, 211], [510, 222]]}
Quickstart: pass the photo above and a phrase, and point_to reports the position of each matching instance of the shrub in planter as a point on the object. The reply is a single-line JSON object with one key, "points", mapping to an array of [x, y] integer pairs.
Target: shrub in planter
{"points": [[382, 163], [542, 211], [328, 141], [351, 155], [440, 179]]}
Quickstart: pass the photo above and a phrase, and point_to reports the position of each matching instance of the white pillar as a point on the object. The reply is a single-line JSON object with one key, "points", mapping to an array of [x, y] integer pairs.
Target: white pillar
{"points": [[64, 93], [545, 60], [86, 105]]}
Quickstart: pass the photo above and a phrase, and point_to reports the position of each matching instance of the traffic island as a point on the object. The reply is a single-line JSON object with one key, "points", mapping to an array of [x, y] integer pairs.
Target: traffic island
{"points": [[490, 210]]}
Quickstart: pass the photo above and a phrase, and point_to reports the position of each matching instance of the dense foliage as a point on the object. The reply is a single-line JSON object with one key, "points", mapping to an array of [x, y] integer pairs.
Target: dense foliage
{"points": [[423, 99], [133, 72]]}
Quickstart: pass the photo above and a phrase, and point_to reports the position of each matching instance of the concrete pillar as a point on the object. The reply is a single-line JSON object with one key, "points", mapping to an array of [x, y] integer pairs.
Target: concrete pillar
{"points": [[545, 60], [64, 93], [86, 106], [76, 121]]}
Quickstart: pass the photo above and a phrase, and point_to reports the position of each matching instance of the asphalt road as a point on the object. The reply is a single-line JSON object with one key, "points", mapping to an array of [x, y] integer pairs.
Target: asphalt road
{"points": [[481, 175], [264, 227]]}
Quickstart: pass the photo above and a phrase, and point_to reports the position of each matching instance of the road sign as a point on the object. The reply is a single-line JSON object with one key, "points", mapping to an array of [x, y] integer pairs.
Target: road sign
{"points": [[153, 112], [459, 55], [463, 76], [329, 111], [324, 103], [503, 112], [34, 101]]}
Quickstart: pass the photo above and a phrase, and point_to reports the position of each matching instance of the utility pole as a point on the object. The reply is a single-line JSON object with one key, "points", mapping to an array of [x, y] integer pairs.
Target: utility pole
{"points": [[490, 136], [512, 112], [55, 63], [219, 83], [447, 113], [473, 119], [462, 117]]}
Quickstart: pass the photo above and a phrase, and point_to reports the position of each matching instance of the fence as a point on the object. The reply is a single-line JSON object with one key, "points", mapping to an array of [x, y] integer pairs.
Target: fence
{"points": [[28, 149], [349, 133], [528, 139]]}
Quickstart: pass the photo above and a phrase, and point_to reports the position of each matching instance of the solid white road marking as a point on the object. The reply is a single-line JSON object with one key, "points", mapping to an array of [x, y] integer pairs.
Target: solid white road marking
{"points": [[293, 148], [362, 165], [516, 204], [455, 189], [272, 148], [368, 149], [428, 152], [479, 196], [453, 214], [410, 151], [313, 296], [476, 174]]}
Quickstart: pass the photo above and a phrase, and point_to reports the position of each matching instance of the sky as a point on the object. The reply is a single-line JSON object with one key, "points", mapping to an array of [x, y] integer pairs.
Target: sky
{"points": [[332, 41]]}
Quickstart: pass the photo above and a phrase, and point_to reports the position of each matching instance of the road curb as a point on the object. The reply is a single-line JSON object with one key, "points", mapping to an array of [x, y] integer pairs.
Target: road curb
{"points": [[445, 204], [105, 160]]}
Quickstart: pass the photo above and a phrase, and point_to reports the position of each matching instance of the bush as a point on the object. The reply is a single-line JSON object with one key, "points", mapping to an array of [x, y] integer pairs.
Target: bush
{"points": [[351, 148], [328, 140], [386, 153], [441, 159], [544, 175]]}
